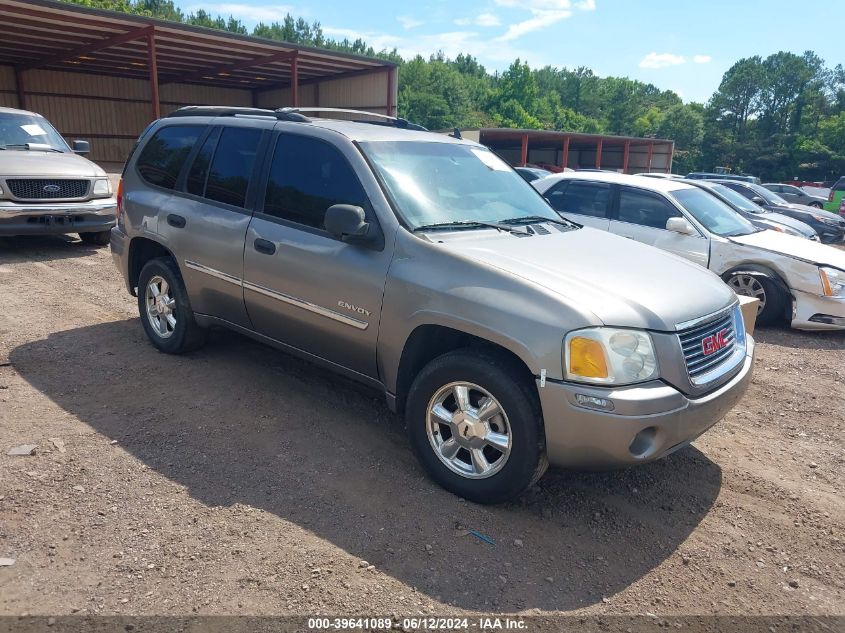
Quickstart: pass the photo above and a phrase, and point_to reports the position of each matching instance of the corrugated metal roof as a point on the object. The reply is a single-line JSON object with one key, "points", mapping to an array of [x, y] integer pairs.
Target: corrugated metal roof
{"points": [[60, 36]]}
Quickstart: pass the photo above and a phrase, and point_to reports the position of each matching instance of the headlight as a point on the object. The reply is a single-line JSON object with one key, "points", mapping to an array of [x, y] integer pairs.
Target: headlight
{"points": [[825, 220], [608, 356], [833, 282], [102, 187]]}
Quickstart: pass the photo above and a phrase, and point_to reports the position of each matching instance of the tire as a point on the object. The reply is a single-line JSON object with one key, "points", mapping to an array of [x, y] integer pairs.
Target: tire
{"points": [[817, 205], [100, 238], [773, 299], [180, 334], [489, 377]]}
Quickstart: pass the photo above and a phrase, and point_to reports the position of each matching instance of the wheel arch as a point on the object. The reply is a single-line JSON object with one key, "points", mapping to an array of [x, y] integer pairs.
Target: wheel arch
{"points": [[762, 270], [142, 250], [429, 341]]}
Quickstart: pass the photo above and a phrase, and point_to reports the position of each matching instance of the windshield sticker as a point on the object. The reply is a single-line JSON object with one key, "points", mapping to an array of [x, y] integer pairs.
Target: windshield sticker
{"points": [[490, 159], [33, 129]]}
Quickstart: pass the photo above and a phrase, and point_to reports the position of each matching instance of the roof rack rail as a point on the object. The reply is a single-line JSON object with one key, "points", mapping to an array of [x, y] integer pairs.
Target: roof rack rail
{"points": [[281, 115], [385, 119]]}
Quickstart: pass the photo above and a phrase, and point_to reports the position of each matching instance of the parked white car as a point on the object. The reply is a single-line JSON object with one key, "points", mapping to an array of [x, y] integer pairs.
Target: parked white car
{"points": [[794, 279]]}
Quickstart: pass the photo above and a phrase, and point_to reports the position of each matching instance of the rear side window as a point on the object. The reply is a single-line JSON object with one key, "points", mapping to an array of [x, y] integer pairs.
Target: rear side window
{"points": [[199, 169], [231, 168], [840, 185], [308, 176], [164, 155], [645, 209], [584, 198]]}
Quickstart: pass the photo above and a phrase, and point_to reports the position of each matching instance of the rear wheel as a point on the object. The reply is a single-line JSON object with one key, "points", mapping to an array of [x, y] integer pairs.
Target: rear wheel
{"points": [[98, 238], [816, 204], [164, 308], [765, 289], [476, 427]]}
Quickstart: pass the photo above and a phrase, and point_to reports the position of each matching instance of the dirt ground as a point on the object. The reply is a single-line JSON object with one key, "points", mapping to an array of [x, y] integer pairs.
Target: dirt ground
{"points": [[240, 480]]}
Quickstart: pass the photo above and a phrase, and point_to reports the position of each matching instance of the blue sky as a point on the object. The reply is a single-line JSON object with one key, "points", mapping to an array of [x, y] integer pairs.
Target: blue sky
{"points": [[680, 45]]}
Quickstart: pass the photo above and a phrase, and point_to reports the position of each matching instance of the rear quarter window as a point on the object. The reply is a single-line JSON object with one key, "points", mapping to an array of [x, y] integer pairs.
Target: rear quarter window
{"points": [[164, 155]]}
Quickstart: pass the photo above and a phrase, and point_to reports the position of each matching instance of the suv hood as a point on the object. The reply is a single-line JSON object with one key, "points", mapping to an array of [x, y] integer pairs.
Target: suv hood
{"points": [[792, 246], [14, 163], [624, 283]]}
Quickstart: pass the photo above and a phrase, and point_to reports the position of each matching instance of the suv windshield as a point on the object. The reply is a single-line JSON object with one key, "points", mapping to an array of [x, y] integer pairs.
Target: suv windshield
{"points": [[448, 183], [18, 130], [715, 215], [737, 199]]}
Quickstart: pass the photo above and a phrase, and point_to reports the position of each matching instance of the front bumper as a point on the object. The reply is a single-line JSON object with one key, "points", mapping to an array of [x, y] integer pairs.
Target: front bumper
{"points": [[119, 243], [648, 422], [814, 312], [57, 218], [830, 234]]}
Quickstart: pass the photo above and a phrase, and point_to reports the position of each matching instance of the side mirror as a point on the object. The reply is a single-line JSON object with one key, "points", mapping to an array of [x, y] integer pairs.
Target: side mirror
{"points": [[81, 147], [680, 225], [347, 223], [758, 200]]}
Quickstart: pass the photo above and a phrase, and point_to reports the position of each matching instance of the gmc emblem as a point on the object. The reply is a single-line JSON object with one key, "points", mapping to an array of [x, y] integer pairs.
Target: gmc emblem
{"points": [[713, 343]]}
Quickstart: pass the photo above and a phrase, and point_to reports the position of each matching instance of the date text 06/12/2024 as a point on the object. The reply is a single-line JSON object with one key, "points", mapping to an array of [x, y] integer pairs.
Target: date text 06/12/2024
{"points": [[419, 623]]}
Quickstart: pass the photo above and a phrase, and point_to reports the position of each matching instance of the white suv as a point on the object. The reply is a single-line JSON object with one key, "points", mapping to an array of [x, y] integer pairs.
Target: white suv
{"points": [[793, 278]]}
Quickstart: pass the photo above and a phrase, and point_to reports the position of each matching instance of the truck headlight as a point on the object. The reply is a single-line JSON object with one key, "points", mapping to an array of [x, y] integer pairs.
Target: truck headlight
{"points": [[102, 187], [833, 282], [609, 356]]}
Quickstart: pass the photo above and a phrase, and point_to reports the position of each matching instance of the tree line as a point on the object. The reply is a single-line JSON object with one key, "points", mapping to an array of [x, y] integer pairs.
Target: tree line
{"points": [[779, 117]]}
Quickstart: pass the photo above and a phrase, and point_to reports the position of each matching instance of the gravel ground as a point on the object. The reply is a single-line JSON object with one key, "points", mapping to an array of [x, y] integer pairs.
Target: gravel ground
{"points": [[240, 480]]}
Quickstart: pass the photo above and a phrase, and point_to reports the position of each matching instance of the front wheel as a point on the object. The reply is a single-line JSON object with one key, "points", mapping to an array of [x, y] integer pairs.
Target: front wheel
{"points": [[98, 238], [772, 298], [476, 427], [817, 205]]}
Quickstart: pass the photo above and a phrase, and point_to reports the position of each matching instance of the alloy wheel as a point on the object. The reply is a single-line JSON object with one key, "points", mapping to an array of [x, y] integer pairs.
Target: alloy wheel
{"points": [[468, 430], [749, 286], [161, 306]]}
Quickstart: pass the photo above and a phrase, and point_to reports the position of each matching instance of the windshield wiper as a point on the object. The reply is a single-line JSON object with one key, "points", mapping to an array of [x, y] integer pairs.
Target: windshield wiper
{"points": [[38, 147], [470, 224], [528, 219]]}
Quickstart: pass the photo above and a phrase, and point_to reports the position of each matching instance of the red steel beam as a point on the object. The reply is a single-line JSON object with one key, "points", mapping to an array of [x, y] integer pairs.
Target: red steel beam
{"points": [[294, 81], [389, 92], [152, 64], [230, 68], [650, 155], [565, 159], [523, 155], [19, 88], [598, 153], [625, 157], [91, 47]]}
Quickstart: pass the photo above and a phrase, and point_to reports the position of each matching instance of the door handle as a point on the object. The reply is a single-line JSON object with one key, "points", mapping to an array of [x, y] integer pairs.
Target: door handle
{"points": [[176, 220], [264, 246]]}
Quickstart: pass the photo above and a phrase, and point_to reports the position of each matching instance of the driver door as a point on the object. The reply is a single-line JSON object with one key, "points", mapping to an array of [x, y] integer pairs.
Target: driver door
{"points": [[642, 215]]}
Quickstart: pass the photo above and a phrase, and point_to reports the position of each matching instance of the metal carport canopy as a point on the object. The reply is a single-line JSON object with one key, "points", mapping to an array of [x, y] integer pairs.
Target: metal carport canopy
{"points": [[59, 36]]}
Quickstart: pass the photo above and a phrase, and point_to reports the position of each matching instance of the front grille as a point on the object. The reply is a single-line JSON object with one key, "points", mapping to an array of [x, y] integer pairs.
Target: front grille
{"points": [[697, 339], [47, 189]]}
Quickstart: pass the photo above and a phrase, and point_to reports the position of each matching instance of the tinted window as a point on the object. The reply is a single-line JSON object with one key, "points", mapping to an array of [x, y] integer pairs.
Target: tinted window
{"points": [[164, 155], [715, 215], [581, 197], [645, 209], [308, 176], [199, 170], [228, 177], [840, 185]]}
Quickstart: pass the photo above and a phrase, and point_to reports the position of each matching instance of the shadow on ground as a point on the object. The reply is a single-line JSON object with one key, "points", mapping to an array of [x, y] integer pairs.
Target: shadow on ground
{"points": [[238, 422], [43, 248]]}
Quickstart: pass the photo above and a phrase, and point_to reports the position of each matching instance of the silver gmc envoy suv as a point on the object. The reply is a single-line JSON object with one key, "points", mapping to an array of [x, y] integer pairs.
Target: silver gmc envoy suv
{"points": [[424, 266], [47, 187]]}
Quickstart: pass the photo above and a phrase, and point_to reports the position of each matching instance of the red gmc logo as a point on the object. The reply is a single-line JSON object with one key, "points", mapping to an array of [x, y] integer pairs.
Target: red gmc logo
{"points": [[714, 342]]}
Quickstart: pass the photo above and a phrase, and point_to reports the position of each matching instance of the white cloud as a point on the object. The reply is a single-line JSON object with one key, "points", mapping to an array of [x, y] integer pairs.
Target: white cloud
{"points": [[408, 22], [539, 20], [497, 55], [544, 13], [249, 13], [702, 59], [484, 19], [661, 60]]}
